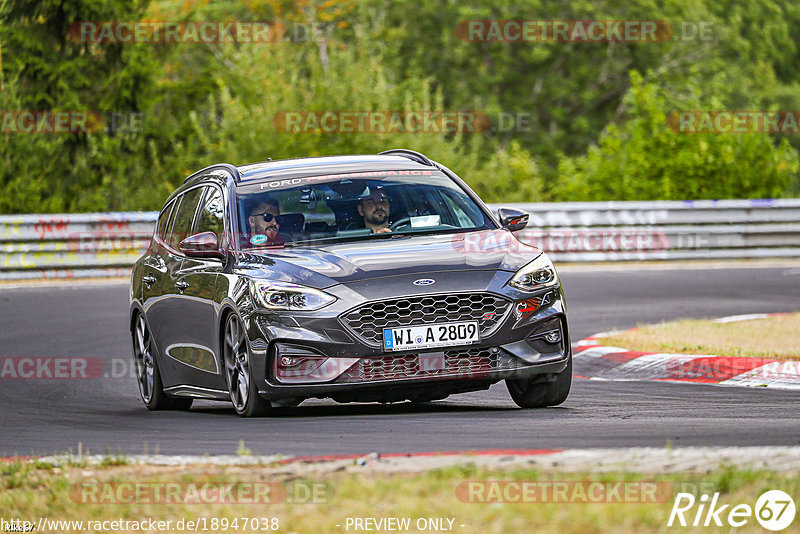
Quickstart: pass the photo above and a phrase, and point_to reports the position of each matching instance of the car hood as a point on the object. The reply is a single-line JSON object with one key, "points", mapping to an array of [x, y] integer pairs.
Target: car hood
{"points": [[325, 266]]}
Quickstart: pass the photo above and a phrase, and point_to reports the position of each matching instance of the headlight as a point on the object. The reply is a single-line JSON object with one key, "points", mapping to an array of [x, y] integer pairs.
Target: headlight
{"points": [[538, 274], [285, 296]]}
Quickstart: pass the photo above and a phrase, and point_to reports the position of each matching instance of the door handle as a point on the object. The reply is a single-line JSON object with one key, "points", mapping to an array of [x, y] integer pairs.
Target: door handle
{"points": [[181, 285], [149, 280]]}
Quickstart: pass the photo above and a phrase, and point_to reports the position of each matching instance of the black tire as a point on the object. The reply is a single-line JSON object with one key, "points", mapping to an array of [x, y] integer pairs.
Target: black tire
{"points": [[148, 377], [236, 360], [531, 393]]}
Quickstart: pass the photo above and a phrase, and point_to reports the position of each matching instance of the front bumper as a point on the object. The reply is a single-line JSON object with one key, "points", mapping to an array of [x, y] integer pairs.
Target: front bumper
{"points": [[337, 362]]}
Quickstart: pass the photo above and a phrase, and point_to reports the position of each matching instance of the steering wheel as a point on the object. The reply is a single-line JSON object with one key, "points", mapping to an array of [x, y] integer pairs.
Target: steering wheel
{"points": [[404, 221]]}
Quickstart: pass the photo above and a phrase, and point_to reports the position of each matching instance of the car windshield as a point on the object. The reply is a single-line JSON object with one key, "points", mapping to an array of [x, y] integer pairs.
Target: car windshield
{"points": [[354, 206]]}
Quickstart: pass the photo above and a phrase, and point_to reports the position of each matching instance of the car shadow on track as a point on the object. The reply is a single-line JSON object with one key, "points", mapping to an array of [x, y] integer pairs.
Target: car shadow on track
{"points": [[350, 410]]}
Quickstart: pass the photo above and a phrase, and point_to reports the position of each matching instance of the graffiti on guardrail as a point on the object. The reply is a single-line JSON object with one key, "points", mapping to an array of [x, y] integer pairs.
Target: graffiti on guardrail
{"points": [[107, 244], [46, 227]]}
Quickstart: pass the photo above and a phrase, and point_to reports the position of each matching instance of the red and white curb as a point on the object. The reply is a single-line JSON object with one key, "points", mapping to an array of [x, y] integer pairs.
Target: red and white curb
{"points": [[596, 361]]}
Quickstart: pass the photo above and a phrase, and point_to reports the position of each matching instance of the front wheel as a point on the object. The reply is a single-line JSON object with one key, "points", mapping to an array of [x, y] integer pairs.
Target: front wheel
{"points": [[148, 376], [531, 393], [236, 355]]}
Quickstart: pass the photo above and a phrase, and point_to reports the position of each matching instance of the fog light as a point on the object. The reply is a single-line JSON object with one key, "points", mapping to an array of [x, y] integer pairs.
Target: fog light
{"points": [[294, 364], [287, 361], [290, 368], [553, 337]]}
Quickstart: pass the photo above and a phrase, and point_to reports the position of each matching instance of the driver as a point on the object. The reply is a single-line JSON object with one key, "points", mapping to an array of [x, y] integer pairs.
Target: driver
{"points": [[374, 208], [263, 220]]}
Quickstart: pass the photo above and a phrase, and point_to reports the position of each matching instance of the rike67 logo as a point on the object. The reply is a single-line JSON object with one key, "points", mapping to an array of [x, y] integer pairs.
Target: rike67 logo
{"points": [[774, 510]]}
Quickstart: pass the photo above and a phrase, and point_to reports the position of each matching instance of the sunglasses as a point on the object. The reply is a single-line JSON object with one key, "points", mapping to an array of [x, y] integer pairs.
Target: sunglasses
{"points": [[267, 217]]}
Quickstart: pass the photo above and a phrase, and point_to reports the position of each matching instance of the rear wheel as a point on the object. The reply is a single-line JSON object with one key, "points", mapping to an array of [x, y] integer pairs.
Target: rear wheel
{"points": [[236, 355], [148, 376], [531, 393]]}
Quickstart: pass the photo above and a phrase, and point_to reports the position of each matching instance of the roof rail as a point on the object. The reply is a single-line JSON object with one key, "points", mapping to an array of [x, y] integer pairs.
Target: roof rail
{"points": [[410, 154], [237, 177]]}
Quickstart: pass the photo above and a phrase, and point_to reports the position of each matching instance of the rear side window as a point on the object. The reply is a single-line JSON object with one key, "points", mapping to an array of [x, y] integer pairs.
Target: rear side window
{"points": [[211, 215], [171, 222], [185, 217], [161, 227]]}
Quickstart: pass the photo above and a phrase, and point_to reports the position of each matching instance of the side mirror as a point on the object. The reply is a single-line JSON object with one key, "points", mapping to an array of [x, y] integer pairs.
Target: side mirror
{"points": [[512, 218], [202, 245]]}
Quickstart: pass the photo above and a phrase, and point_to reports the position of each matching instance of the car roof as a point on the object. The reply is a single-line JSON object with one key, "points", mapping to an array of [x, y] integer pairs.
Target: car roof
{"points": [[326, 165], [299, 167]]}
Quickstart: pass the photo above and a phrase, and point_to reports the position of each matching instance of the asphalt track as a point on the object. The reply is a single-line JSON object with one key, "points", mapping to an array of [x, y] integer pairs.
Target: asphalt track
{"points": [[105, 415]]}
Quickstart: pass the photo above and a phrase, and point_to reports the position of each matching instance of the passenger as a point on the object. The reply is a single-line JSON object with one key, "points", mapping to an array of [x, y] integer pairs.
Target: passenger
{"points": [[375, 211]]}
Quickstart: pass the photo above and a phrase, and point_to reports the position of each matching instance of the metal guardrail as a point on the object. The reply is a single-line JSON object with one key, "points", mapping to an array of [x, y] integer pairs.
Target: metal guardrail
{"points": [[107, 244], [72, 246], [664, 230]]}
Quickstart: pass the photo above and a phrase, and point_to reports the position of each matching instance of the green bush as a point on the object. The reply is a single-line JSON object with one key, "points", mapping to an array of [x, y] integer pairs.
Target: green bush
{"points": [[642, 158]]}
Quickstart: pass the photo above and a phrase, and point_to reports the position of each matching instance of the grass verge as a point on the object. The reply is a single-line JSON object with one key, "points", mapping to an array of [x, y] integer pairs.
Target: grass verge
{"points": [[29, 491], [774, 337]]}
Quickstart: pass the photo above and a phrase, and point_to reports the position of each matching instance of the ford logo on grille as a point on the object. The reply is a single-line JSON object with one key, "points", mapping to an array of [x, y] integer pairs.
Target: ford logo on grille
{"points": [[424, 282]]}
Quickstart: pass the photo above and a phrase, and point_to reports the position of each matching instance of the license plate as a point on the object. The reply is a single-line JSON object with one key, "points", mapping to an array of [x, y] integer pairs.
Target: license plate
{"points": [[430, 336]]}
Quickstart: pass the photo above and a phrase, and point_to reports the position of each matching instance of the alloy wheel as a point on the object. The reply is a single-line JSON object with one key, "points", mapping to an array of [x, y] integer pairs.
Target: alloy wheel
{"points": [[237, 363], [143, 359]]}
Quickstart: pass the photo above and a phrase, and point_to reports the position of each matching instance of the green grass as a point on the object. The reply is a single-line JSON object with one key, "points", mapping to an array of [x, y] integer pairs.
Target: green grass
{"points": [[30, 490], [114, 460]]}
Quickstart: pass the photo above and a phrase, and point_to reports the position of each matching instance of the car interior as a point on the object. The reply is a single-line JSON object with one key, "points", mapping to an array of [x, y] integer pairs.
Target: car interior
{"points": [[331, 210]]}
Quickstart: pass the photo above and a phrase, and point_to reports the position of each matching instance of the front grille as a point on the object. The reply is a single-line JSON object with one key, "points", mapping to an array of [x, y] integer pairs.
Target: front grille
{"points": [[369, 320], [465, 363]]}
